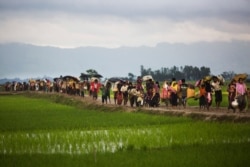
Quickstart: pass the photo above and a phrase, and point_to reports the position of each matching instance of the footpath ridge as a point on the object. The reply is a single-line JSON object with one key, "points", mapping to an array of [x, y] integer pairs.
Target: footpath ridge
{"points": [[213, 114]]}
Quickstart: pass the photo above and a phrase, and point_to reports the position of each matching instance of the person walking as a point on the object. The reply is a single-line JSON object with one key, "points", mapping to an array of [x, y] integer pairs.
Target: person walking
{"points": [[124, 90], [104, 94], [241, 90], [165, 93], [183, 91], [231, 94], [208, 89], [174, 90], [216, 85]]}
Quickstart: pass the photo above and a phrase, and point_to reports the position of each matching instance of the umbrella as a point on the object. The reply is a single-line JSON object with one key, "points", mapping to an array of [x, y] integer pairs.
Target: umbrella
{"points": [[68, 77], [114, 79], [238, 76], [147, 77], [97, 75], [32, 80], [84, 76], [56, 79]]}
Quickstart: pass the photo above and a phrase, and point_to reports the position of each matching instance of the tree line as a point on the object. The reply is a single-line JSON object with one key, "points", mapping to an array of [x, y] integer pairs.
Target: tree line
{"points": [[187, 72]]}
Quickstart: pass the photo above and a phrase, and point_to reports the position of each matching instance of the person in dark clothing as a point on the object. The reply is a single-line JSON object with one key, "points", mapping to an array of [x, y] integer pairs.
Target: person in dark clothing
{"points": [[208, 89], [183, 90]]}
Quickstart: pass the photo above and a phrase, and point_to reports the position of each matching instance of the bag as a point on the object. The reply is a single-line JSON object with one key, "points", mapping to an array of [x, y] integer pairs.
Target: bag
{"points": [[235, 103], [190, 93]]}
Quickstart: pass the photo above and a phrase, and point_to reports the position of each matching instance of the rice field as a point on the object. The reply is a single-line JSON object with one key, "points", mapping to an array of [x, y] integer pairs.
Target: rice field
{"points": [[41, 132], [105, 141]]}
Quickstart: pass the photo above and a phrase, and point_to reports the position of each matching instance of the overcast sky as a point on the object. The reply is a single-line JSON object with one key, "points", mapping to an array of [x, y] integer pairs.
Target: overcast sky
{"points": [[116, 23]]}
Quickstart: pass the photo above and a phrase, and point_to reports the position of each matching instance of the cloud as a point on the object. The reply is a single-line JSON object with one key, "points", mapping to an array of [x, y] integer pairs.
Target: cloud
{"points": [[114, 23], [140, 8]]}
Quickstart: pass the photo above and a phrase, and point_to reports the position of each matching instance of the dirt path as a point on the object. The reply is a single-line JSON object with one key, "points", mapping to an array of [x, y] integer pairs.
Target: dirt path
{"points": [[214, 114]]}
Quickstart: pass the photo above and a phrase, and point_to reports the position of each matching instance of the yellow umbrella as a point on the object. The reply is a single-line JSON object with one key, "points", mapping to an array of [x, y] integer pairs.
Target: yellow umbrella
{"points": [[238, 76], [207, 78]]}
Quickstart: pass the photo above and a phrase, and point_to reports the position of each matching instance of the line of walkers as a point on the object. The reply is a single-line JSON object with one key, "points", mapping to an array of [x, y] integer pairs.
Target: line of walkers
{"points": [[175, 93], [147, 92]]}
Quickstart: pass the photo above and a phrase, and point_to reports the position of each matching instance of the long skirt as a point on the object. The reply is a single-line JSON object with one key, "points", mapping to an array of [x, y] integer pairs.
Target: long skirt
{"points": [[174, 99], [242, 102], [218, 96]]}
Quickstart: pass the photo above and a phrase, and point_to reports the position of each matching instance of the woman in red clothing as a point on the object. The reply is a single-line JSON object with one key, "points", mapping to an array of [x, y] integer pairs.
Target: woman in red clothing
{"points": [[95, 86]]}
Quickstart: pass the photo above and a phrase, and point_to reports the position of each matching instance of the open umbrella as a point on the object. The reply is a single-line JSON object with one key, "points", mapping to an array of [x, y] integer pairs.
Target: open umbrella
{"points": [[84, 76], [55, 79], [97, 75], [32, 81], [68, 77], [238, 76], [114, 79], [147, 77]]}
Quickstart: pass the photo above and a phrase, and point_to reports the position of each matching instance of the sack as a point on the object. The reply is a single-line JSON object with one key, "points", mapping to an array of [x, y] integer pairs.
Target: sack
{"points": [[235, 103], [115, 89], [190, 93]]}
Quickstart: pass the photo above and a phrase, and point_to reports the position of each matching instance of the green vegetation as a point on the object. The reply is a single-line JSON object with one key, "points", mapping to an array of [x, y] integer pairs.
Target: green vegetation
{"points": [[56, 130]]}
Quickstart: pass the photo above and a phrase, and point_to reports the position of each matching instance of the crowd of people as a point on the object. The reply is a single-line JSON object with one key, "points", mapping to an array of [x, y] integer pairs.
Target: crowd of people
{"points": [[175, 93], [147, 92]]}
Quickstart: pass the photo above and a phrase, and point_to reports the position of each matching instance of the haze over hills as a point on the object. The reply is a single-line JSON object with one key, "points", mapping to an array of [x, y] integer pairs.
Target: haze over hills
{"points": [[26, 61]]}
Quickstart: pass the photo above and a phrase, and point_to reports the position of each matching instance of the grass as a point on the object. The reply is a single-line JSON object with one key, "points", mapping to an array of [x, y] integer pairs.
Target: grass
{"points": [[205, 156], [30, 114], [40, 130]]}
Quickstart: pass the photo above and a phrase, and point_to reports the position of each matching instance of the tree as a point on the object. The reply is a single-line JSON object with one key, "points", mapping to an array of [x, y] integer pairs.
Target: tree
{"points": [[187, 72], [204, 71], [90, 73], [131, 77], [228, 75]]}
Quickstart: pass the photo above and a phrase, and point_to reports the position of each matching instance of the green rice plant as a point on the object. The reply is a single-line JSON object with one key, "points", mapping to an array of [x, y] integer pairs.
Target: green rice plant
{"points": [[41, 132], [120, 139], [19, 113]]}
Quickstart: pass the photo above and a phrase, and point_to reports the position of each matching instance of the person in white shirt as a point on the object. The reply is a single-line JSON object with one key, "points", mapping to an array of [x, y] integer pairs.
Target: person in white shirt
{"points": [[216, 84]]}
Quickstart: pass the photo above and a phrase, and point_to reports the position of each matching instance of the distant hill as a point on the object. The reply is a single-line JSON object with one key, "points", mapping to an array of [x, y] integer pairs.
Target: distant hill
{"points": [[23, 60], [4, 80]]}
